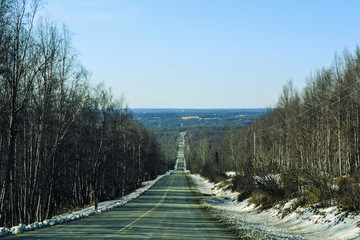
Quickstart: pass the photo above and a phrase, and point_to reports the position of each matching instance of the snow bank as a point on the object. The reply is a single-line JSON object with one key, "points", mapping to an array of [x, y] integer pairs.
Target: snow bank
{"points": [[90, 211], [230, 174], [304, 223]]}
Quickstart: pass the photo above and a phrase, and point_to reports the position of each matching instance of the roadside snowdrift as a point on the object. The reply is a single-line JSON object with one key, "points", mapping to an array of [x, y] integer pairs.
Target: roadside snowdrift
{"points": [[304, 223]]}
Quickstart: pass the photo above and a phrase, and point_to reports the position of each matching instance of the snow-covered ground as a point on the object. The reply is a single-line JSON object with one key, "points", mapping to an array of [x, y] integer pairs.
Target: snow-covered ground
{"points": [[102, 207], [304, 223]]}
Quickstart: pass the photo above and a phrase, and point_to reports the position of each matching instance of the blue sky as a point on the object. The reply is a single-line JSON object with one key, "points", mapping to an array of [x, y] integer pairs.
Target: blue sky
{"points": [[206, 53]]}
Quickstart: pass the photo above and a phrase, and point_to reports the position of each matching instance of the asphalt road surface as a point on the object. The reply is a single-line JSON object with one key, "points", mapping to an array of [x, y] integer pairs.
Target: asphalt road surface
{"points": [[169, 210]]}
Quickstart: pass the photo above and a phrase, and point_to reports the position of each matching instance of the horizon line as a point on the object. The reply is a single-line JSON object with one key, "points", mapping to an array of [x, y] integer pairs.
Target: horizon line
{"points": [[200, 107]]}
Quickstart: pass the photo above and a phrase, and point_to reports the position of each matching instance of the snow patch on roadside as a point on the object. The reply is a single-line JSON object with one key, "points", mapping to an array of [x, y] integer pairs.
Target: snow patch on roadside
{"points": [[90, 211], [230, 174], [303, 223]]}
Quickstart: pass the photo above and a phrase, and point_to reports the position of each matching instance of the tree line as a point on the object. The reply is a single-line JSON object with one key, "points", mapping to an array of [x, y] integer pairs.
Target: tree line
{"points": [[62, 141], [309, 142]]}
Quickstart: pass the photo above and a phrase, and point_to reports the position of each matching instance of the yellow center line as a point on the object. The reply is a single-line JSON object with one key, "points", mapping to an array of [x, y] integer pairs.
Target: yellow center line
{"points": [[147, 213]]}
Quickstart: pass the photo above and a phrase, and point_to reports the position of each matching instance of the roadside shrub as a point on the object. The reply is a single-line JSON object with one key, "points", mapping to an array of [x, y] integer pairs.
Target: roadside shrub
{"points": [[318, 188], [311, 196], [243, 183], [264, 189], [348, 194], [244, 195], [292, 184], [263, 200], [270, 185]]}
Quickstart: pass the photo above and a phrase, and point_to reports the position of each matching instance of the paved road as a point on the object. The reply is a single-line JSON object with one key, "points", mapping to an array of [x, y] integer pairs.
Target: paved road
{"points": [[169, 210]]}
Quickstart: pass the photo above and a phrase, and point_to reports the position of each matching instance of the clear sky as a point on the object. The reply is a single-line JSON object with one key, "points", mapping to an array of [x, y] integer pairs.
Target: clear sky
{"points": [[206, 53]]}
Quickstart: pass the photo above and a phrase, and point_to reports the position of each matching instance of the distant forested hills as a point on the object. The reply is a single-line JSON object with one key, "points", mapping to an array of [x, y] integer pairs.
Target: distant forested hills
{"points": [[174, 117]]}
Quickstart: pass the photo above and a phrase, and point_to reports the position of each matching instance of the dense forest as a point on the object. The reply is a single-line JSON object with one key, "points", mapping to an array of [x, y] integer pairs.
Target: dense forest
{"points": [[63, 143], [307, 147]]}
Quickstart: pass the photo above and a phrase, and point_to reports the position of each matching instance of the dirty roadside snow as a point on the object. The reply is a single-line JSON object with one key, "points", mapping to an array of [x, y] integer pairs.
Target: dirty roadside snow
{"points": [[304, 223]]}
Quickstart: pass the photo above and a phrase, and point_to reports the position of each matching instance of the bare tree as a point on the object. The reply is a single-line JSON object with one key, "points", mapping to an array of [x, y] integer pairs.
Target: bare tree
{"points": [[20, 72]]}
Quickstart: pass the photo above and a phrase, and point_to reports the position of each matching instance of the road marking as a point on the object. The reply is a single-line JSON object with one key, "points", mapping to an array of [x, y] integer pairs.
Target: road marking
{"points": [[147, 213]]}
